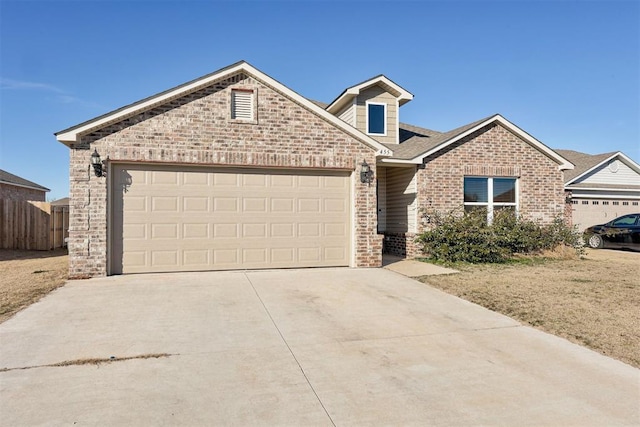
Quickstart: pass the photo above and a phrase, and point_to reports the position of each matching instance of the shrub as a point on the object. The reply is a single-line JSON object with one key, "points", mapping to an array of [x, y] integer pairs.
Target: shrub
{"points": [[466, 236]]}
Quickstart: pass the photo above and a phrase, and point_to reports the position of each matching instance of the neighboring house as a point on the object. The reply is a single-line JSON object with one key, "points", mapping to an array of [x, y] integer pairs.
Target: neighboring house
{"points": [[601, 187], [13, 187], [234, 170]]}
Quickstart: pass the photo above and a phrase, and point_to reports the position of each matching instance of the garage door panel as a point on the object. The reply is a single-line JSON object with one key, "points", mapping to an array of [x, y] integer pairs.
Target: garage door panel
{"points": [[164, 177], [195, 204], [285, 230], [195, 178], [225, 204], [195, 231], [254, 205], [210, 219]]}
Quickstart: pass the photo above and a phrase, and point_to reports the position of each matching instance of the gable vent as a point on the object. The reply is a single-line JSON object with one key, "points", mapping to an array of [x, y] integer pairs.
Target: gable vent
{"points": [[242, 104]]}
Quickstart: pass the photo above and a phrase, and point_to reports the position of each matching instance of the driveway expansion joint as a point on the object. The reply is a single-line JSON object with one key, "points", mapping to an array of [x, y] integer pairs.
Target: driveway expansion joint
{"points": [[290, 351]]}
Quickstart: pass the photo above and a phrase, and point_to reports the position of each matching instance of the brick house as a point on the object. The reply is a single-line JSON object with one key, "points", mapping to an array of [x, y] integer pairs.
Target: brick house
{"points": [[234, 170], [13, 187]]}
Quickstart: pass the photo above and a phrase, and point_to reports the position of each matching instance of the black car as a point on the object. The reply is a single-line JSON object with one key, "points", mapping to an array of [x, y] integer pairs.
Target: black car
{"points": [[622, 232]]}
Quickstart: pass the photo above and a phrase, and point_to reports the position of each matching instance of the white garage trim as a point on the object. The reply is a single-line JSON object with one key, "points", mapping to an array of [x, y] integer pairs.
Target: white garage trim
{"points": [[177, 218]]}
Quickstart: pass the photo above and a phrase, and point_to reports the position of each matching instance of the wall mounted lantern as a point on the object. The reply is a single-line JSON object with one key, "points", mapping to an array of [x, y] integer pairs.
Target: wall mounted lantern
{"points": [[366, 174], [98, 165]]}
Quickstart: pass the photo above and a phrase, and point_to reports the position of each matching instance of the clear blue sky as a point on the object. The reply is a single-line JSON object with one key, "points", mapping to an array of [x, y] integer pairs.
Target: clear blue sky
{"points": [[567, 72]]}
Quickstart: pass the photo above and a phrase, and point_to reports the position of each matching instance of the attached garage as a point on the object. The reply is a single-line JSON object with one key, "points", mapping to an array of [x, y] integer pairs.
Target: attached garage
{"points": [[232, 170], [602, 187], [176, 218]]}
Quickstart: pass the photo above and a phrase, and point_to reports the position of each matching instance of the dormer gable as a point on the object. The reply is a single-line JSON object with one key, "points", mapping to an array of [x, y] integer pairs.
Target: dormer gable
{"points": [[372, 107]]}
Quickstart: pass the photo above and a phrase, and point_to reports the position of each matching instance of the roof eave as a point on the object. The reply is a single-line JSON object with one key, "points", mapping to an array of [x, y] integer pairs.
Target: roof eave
{"points": [[72, 135], [345, 97], [563, 164], [627, 160], [30, 187]]}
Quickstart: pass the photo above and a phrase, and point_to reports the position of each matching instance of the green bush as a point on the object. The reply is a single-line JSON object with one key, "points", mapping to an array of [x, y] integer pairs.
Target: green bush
{"points": [[466, 236]]}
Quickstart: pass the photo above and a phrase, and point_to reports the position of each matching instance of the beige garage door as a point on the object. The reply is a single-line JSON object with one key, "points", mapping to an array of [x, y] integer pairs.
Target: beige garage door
{"points": [[177, 219], [593, 211]]}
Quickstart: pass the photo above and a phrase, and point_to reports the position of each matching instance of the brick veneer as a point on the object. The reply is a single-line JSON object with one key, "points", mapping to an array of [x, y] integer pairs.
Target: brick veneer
{"points": [[197, 129], [492, 151], [12, 192]]}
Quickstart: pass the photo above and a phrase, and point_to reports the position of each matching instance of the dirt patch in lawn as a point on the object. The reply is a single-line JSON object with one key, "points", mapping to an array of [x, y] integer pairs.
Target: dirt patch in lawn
{"points": [[591, 301], [27, 276]]}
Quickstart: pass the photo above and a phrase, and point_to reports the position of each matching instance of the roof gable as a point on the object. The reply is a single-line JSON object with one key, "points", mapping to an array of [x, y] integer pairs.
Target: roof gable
{"points": [[73, 134], [11, 179], [588, 165], [402, 95], [417, 148]]}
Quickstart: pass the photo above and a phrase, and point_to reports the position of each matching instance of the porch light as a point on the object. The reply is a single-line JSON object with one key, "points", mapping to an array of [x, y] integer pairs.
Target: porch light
{"points": [[97, 164], [366, 174]]}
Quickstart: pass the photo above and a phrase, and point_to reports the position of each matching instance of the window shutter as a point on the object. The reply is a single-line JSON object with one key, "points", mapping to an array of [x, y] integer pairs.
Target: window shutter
{"points": [[242, 104]]}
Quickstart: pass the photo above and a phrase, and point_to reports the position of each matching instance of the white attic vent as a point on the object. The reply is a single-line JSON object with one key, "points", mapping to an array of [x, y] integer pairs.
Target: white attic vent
{"points": [[242, 104]]}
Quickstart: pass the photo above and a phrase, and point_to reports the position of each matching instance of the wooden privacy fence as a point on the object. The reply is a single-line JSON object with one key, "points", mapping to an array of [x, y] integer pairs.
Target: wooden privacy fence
{"points": [[33, 225]]}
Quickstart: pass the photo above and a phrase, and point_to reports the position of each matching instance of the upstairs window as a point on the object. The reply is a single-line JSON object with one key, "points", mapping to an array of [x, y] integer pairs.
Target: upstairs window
{"points": [[242, 104], [376, 118], [490, 195]]}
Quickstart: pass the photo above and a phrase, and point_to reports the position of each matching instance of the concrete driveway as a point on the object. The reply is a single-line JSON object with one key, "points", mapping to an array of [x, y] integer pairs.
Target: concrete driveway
{"points": [[295, 347]]}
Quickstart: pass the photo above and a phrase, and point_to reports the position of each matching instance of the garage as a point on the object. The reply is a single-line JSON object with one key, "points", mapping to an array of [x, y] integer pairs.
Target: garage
{"points": [[177, 218], [589, 209]]}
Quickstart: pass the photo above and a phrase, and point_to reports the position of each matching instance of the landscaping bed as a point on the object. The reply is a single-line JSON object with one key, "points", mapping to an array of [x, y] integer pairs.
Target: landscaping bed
{"points": [[591, 301]]}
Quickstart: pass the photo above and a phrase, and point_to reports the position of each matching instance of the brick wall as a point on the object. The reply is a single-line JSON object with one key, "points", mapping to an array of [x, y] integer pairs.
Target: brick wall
{"points": [[401, 244], [197, 129], [12, 192], [493, 152]]}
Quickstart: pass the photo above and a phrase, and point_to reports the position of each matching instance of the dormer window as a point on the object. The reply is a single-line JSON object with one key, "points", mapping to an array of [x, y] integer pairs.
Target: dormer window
{"points": [[376, 118]]}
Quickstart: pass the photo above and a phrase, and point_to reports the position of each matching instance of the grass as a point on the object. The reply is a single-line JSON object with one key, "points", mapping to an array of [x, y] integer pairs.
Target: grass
{"points": [[592, 301], [27, 276]]}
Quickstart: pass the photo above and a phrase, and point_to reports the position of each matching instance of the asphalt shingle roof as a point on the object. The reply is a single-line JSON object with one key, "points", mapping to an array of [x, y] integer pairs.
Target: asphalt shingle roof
{"points": [[415, 141], [9, 178], [582, 162]]}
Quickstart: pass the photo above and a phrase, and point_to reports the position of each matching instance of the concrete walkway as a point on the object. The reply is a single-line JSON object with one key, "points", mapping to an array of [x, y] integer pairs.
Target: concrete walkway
{"points": [[413, 268], [294, 347]]}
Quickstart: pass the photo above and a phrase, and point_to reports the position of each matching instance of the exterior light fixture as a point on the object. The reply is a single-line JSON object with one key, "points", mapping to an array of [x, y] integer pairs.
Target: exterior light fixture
{"points": [[98, 165], [366, 174]]}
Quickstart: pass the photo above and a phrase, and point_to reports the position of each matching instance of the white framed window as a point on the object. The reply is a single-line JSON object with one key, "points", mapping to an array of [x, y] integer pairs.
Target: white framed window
{"points": [[490, 194], [376, 118], [242, 104]]}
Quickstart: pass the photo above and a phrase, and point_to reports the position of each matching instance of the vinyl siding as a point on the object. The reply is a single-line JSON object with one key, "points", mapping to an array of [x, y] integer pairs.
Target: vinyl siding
{"points": [[603, 175], [378, 95], [382, 199], [347, 115], [401, 200]]}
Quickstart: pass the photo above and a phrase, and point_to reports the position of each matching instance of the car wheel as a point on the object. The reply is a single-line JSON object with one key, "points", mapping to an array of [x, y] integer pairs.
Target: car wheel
{"points": [[595, 241]]}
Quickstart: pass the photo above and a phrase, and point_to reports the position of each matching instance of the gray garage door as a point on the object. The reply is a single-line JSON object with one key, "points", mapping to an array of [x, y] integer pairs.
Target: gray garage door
{"points": [[176, 219]]}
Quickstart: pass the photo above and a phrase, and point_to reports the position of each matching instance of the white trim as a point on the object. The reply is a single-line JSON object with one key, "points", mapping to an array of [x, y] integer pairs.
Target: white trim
{"points": [[629, 162], [355, 112], [604, 196], [626, 190], [397, 122], [403, 95], [352, 218], [73, 136], [563, 164], [402, 162], [490, 204], [384, 116]]}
